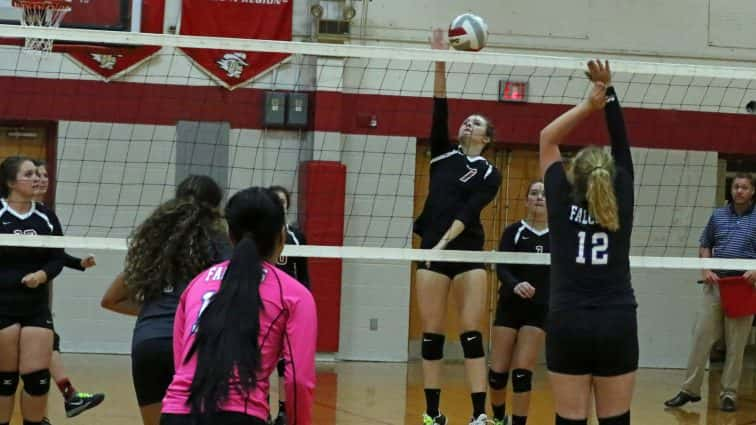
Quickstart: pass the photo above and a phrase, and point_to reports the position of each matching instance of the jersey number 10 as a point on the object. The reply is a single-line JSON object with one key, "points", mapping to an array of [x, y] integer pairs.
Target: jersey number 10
{"points": [[599, 247]]}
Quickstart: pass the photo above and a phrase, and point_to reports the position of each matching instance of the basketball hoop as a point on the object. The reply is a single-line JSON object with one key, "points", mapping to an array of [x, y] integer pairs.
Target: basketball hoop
{"points": [[41, 13]]}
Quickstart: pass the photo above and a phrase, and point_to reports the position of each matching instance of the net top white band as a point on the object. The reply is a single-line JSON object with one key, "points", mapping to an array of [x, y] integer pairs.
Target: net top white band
{"points": [[370, 52], [392, 254]]}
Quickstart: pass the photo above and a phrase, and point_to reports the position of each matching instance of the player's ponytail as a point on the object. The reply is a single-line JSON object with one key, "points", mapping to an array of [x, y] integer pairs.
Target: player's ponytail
{"points": [[228, 355], [593, 177]]}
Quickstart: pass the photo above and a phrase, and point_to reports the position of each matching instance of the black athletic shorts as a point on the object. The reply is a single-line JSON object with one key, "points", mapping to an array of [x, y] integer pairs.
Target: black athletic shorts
{"points": [[450, 269], [511, 313], [221, 418], [152, 369], [43, 319], [593, 341]]}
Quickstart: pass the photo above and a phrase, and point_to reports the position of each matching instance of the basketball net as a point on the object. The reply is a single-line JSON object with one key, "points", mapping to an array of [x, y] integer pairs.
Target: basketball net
{"points": [[41, 13]]}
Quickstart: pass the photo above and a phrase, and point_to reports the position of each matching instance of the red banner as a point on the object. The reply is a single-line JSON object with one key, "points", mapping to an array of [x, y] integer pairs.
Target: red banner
{"points": [[112, 62], [255, 19]]}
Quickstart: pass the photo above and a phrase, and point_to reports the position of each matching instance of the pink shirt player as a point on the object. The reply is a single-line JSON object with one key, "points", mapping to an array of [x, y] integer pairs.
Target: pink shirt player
{"points": [[288, 327]]}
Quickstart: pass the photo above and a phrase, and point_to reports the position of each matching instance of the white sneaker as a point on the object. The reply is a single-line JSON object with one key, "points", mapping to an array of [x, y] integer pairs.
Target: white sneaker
{"points": [[480, 420]]}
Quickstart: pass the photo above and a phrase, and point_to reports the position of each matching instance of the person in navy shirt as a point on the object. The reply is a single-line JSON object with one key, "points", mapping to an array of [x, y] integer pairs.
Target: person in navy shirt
{"points": [[730, 233]]}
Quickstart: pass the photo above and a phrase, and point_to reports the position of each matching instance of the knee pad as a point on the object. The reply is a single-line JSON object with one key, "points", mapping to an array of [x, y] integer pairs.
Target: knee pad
{"points": [[496, 380], [8, 383], [472, 344], [521, 380], [623, 419], [37, 383], [433, 346], [281, 366], [564, 421]]}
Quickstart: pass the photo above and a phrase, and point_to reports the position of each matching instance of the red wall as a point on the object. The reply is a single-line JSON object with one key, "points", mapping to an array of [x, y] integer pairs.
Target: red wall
{"points": [[48, 99]]}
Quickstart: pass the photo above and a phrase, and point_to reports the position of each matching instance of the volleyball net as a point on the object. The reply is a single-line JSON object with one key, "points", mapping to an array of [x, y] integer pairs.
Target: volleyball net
{"points": [[345, 128]]}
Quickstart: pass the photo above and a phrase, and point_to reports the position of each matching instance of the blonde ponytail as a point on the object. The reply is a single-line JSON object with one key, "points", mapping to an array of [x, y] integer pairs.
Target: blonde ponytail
{"points": [[593, 177]]}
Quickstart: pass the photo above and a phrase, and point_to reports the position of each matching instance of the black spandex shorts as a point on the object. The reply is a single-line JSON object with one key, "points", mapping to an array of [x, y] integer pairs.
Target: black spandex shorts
{"points": [[152, 369], [42, 319], [449, 269], [593, 341], [518, 313], [221, 418]]}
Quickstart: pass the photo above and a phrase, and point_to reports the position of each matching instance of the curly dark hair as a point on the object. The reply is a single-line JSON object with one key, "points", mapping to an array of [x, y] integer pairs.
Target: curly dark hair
{"points": [[173, 244]]}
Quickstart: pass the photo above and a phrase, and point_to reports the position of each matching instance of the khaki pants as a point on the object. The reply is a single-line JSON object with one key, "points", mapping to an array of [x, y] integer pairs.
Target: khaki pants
{"points": [[708, 331]]}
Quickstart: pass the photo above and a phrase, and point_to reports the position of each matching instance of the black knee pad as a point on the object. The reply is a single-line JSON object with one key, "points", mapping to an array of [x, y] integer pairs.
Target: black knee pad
{"points": [[623, 419], [8, 383], [564, 421], [433, 346], [522, 380], [472, 344], [281, 366], [37, 383], [496, 380]]}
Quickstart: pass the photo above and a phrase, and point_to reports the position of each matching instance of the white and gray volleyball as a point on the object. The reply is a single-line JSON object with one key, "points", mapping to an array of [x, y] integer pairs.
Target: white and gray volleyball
{"points": [[468, 32]]}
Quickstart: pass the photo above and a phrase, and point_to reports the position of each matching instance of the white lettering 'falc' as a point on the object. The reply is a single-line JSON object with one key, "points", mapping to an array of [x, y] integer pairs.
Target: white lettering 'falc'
{"points": [[580, 215]]}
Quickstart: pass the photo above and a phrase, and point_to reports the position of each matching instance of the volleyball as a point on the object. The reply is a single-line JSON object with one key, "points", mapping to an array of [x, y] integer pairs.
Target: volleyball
{"points": [[468, 32]]}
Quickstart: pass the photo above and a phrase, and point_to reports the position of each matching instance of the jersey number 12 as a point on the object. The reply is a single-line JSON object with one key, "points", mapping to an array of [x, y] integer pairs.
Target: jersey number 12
{"points": [[599, 247]]}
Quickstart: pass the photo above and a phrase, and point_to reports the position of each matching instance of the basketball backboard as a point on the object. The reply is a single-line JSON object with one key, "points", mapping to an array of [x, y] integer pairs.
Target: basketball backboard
{"points": [[113, 15]]}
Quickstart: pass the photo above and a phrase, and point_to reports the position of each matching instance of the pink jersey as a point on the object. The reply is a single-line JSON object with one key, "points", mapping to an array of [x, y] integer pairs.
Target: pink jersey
{"points": [[288, 327]]}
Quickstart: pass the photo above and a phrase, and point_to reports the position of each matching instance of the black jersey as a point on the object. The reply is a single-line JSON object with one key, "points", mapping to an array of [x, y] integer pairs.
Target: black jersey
{"points": [[591, 267], [520, 237], [72, 262], [460, 187], [17, 299], [155, 318], [295, 267]]}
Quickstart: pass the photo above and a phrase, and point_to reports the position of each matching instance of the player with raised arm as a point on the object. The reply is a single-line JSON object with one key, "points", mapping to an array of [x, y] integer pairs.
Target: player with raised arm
{"points": [[462, 183], [592, 333]]}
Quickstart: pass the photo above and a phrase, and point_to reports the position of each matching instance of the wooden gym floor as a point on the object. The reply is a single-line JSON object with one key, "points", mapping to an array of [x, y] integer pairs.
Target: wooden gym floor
{"points": [[356, 393]]}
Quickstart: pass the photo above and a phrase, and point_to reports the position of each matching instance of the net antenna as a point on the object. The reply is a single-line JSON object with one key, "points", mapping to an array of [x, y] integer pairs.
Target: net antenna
{"points": [[41, 13]]}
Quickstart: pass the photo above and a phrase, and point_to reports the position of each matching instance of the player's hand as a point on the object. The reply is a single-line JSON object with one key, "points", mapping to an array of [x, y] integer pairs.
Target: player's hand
{"points": [[438, 40], [524, 290], [709, 276], [439, 246], [88, 261], [32, 280], [751, 276], [597, 96], [599, 72]]}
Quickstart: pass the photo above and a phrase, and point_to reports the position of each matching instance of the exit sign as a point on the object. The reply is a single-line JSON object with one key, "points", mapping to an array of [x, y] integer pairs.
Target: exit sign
{"points": [[513, 91]]}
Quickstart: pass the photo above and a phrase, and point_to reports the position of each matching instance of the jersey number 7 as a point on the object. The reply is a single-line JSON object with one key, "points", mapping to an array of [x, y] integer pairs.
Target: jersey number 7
{"points": [[599, 247]]}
